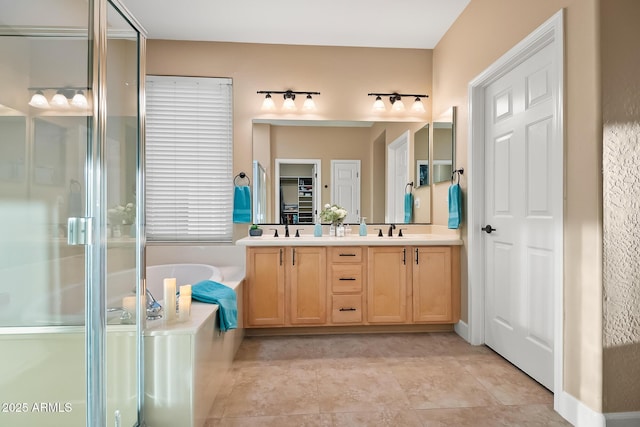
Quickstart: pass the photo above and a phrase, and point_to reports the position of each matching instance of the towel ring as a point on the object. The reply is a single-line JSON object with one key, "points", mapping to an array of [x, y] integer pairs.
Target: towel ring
{"points": [[241, 176], [458, 172], [409, 185]]}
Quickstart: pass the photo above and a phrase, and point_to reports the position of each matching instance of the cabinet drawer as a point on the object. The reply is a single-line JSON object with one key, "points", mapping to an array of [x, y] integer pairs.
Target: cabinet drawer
{"points": [[346, 278], [346, 254], [346, 309]]}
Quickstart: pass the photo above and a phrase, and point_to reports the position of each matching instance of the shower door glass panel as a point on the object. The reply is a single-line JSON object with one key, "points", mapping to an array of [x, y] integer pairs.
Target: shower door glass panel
{"points": [[121, 146], [43, 181]]}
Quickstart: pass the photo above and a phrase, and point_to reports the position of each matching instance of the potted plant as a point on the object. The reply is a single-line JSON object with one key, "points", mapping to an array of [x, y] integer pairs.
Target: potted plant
{"points": [[255, 230]]}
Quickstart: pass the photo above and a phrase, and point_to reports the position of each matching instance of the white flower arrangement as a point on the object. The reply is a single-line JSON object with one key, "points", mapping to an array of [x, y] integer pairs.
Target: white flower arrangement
{"points": [[122, 214], [333, 213]]}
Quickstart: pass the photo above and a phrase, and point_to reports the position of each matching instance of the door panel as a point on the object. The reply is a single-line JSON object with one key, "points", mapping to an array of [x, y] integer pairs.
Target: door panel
{"points": [[519, 254], [345, 179]]}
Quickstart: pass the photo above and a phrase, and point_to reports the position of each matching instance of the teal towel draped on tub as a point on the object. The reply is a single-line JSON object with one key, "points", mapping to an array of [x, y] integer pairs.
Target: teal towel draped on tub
{"points": [[217, 293], [455, 206], [242, 204]]}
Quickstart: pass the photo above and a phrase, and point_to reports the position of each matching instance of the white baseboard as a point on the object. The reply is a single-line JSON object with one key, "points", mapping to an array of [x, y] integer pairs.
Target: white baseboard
{"points": [[580, 415], [462, 329]]}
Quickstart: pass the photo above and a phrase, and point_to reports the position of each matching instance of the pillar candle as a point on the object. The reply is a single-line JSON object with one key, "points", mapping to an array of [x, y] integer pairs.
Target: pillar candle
{"points": [[129, 304], [184, 304], [170, 299]]}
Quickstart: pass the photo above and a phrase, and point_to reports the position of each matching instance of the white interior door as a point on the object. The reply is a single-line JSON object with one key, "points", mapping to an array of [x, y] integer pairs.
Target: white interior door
{"points": [[397, 177], [345, 187], [520, 191]]}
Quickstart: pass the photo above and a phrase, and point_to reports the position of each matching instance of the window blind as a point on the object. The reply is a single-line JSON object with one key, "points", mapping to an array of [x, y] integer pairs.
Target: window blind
{"points": [[189, 156]]}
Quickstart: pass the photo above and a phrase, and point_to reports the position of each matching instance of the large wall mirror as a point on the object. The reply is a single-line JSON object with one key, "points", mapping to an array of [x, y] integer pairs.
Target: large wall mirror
{"points": [[444, 145], [318, 162]]}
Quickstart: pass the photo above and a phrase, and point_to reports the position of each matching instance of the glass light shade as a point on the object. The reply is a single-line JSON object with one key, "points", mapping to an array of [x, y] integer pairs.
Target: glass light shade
{"points": [[397, 105], [289, 105], [38, 100], [309, 104], [268, 104], [60, 101], [418, 106], [79, 100], [378, 105]]}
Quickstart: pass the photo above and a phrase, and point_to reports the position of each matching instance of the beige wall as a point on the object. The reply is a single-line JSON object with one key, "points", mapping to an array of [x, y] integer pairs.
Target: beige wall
{"points": [[621, 177], [343, 75], [485, 31]]}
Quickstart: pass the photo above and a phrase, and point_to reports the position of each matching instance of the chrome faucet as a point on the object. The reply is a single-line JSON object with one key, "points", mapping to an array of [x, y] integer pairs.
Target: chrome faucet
{"points": [[154, 309], [391, 228]]}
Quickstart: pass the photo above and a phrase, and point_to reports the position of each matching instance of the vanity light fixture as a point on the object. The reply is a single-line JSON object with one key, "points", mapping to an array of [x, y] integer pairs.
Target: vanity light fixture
{"points": [[396, 102], [289, 104], [60, 99]]}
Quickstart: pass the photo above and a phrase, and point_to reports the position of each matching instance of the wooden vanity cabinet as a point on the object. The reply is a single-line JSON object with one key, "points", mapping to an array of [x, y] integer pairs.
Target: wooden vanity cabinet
{"points": [[286, 286], [265, 290], [436, 284], [306, 274], [346, 274], [387, 272]]}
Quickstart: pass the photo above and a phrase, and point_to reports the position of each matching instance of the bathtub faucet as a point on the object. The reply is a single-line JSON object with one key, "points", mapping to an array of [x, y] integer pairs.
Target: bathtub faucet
{"points": [[154, 309]]}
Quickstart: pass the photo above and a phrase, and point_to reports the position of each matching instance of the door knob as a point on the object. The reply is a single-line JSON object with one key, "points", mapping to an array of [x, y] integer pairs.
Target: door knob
{"points": [[488, 229]]}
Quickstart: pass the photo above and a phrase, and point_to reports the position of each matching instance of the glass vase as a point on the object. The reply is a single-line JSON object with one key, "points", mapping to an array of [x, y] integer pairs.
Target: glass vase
{"points": [[332, 230], [340, 230]]}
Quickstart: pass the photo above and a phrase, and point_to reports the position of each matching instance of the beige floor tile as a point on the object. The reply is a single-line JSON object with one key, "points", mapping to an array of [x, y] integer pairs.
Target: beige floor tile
{"points": [[359, 389], [440, 382], [506, 382], [316, 420], [495, 416], [272, 390], [404, 418]]}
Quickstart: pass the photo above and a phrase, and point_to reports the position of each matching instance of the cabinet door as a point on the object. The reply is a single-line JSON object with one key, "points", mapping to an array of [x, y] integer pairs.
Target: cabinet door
{"points": [[265, 287], [307, 279], [433, 289], [387, 284]]}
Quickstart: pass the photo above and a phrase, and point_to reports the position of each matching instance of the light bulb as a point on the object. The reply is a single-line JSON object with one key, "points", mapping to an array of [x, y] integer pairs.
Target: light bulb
{"points": [[268, 104], [288, 104], [309, 104], [397, 105], [378, 105], [38, 100], [59, 100], [79, 100], [418, 106]]}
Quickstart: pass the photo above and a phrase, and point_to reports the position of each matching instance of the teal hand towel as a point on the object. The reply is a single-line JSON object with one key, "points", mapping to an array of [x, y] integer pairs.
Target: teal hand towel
{"points": [[408, 207], [217, 293], [242, 204], [455, 206]]}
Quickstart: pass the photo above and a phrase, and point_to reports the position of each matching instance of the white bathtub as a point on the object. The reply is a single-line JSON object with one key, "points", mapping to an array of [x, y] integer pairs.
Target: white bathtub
{"points": [[185, 274]]}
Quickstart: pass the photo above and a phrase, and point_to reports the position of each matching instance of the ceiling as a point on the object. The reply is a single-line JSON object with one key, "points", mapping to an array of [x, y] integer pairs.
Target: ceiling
{"points": [[418, 24]]}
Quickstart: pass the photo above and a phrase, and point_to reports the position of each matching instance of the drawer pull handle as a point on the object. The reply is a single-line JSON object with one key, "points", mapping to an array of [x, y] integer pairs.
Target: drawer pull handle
{"points": [[347, 278], [347, 254], [348, 309]]}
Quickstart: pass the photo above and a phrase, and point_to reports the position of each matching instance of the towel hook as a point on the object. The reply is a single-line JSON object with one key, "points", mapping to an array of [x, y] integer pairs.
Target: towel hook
{"points": [[409, 185], [458, 172], [240, 177]]}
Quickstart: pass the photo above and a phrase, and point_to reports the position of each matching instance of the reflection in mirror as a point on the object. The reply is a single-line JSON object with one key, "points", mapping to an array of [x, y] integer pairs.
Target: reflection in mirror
{"points": [[259, 193], [444, 146], [421, 154], [358, 146]]}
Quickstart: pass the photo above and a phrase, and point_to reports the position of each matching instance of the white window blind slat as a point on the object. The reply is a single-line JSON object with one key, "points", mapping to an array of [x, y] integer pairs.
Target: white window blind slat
{"points": [[189, 156]]}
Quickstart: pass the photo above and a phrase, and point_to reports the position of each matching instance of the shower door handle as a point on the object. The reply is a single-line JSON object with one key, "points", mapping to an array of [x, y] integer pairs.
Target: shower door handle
{"points": [[79, 231]]}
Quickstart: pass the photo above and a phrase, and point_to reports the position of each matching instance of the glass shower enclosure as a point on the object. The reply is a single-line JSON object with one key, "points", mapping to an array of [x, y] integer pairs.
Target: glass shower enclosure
{"points": [[71, 243]]}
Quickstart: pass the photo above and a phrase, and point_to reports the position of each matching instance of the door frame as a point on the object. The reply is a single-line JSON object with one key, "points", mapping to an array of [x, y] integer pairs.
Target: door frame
{"points": [[392, 149], [317, 187], [549, 33]]}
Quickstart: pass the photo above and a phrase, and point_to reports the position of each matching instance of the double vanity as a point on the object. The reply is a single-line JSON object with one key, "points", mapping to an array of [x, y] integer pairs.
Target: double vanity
{"points": [[363, 282]]}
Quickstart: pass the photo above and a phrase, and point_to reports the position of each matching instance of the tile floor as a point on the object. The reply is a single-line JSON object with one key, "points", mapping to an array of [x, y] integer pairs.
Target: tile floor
{"points": [[430, 379]]}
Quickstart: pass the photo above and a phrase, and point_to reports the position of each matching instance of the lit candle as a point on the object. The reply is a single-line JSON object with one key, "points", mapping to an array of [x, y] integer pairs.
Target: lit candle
{"points": [[184, 303], [129, 304], [170, 299]]}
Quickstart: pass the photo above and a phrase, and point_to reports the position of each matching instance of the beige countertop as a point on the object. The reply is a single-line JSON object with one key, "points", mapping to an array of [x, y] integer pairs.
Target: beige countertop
{"points": [[353, 240]]}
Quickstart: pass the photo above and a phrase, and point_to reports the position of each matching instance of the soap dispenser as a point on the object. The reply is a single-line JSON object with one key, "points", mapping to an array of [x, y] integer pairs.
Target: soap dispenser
{"points": [[363, 227], [317, 229]]}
